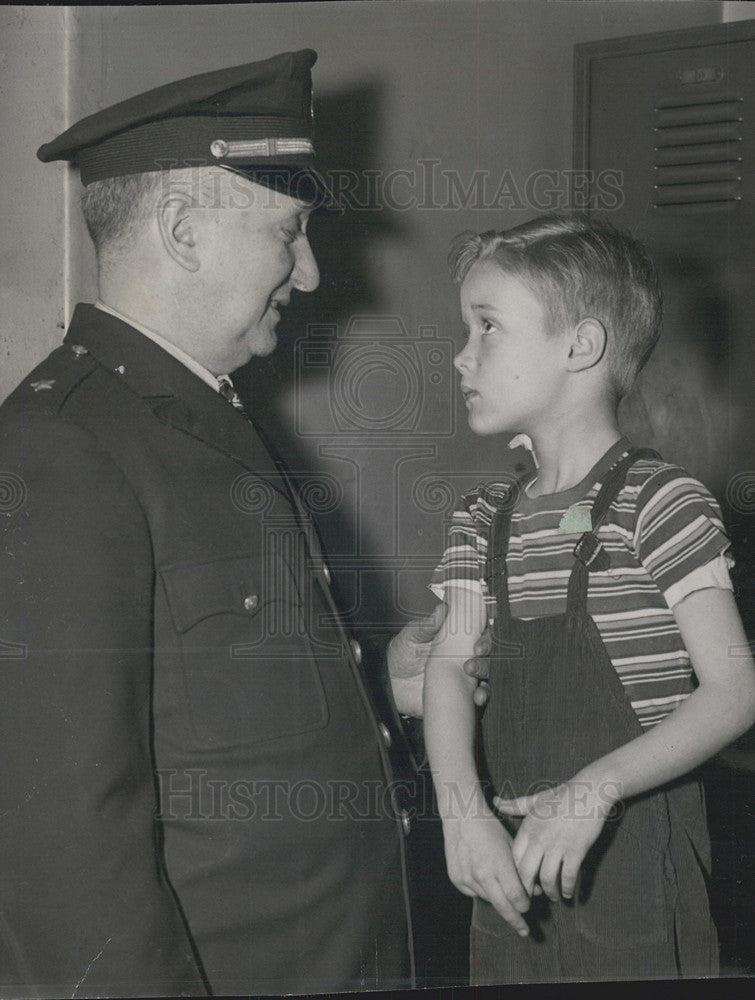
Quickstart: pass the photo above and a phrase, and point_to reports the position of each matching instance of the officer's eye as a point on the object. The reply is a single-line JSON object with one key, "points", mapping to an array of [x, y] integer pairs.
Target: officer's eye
{"points": [[486, 326]]}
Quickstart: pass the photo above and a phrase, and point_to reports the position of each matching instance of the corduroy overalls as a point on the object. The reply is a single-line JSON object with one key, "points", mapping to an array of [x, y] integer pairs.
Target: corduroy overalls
{"points": [[557, 704]]}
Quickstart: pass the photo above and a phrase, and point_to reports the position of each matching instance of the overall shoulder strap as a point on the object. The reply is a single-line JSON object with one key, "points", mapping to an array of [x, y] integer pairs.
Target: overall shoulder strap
{"points": [[496, 576], [589, 551]]}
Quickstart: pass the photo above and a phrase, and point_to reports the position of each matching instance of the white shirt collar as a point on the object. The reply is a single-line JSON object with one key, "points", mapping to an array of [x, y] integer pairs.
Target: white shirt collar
{"points": [[166, 345]]}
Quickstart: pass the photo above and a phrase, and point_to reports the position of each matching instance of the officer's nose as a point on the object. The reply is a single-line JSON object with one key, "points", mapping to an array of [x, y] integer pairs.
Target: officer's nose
{"points": [[306, 276]]}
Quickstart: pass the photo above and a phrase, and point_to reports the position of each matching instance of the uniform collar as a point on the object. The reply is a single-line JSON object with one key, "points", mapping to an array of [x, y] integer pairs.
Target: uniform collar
{"points": [[148, 367], [174, 349], [176, 395]]}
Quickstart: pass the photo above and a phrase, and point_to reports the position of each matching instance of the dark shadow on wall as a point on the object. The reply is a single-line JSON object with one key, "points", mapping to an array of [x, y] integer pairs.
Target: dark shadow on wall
{"points": [[343, 246], [349, 127], [693, 405]]}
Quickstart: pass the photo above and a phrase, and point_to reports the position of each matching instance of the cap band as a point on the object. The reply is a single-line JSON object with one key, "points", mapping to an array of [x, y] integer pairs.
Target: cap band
{"points": [[186, 141], [243, 149]]}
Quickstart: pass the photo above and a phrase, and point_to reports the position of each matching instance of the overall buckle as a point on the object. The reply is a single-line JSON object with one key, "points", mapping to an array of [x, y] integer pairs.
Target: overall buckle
{"points": [[590, 551]]}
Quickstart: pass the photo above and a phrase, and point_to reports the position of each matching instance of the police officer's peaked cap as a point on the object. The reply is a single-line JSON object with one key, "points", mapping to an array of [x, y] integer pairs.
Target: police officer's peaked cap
{"points": [[255, 119]]}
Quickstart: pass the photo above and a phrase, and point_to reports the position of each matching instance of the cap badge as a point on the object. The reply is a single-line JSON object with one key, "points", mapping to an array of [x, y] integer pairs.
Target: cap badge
{"points": [[241, 149]]}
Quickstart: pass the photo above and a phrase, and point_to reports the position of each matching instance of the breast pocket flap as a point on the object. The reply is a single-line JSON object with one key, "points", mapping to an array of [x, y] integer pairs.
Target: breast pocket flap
{"points": [[238, 585]]}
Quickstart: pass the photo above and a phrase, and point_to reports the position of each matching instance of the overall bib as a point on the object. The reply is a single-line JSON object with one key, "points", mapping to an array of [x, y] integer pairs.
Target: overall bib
{"points": [[556, 704]]}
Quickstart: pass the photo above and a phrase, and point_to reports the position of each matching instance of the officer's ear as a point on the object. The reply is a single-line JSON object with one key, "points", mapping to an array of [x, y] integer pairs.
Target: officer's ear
{"points": [[176, 225]]}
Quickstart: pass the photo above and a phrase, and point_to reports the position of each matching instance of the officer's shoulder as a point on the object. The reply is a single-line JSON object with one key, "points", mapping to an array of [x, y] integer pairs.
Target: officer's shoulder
{"points": [[47, 388]]}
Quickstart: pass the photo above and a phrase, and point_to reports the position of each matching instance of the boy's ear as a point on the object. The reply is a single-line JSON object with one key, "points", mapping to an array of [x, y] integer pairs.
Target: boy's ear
{"points": [[588, 345], [174, 219]]}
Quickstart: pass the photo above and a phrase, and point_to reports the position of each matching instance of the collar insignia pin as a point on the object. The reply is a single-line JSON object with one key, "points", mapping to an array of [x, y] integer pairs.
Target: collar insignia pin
{"points": [[43, 383]]}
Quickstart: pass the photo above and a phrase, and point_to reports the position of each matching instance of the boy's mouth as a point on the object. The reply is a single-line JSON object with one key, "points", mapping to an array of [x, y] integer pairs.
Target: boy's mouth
{"points": [[468, 393]]}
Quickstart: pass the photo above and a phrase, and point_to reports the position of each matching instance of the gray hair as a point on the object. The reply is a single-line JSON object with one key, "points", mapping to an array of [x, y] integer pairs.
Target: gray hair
{"points": [[115, 208]]}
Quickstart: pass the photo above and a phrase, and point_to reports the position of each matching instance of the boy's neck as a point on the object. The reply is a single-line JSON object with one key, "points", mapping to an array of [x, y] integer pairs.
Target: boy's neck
{"points": [[566, 454]]}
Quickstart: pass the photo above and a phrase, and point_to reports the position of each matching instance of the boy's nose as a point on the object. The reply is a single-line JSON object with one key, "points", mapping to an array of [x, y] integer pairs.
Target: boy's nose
{"points": [[463, 360]]}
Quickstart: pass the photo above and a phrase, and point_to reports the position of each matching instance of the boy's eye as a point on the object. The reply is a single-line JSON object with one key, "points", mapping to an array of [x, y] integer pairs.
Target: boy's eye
{"points": [[486, 326]]}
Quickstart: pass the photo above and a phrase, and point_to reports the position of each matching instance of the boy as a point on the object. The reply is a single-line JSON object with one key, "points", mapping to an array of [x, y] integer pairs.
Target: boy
{"points": [[607, 577]]}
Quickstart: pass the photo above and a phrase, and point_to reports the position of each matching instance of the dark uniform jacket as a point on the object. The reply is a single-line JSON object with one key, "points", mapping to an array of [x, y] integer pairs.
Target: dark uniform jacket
{"points": [[195, 790]]}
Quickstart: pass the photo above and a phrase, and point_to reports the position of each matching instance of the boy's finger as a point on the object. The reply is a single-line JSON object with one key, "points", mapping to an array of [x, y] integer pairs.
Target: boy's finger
{"points": [[569, 873], [528, 866], [510, 910], [518, 850], [514, 807], [477, 667], [425, 629], [549, 871], [507, 876], [484, 644], [481, 694]]}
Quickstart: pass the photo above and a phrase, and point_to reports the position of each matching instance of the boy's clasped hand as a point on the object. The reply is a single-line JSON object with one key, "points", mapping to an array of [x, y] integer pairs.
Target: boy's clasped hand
{"points": [[559, 827], [480, 862]]}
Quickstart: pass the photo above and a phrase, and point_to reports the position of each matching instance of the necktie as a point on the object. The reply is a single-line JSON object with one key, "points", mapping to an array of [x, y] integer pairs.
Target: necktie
{"points": [[228, 392]]}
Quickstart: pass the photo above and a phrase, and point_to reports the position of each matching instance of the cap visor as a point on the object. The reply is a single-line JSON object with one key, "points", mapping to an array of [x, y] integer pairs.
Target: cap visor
{"points": [[300, 181]]}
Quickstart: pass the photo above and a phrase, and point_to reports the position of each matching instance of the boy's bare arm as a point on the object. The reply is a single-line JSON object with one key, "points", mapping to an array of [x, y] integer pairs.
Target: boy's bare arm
{"points": [[478, 848], [561, 825]]}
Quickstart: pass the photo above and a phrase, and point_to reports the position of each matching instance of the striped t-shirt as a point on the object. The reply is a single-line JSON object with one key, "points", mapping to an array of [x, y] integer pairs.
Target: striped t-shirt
{"points": [[665, 538]]}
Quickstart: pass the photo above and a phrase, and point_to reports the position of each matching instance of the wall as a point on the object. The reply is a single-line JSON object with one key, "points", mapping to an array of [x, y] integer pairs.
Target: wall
{"points": [[34, 104], [471, 86]]}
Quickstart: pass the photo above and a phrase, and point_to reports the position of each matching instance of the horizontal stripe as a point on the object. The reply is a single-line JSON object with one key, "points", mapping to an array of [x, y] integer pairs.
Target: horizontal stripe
{"points": [[663, 526]]}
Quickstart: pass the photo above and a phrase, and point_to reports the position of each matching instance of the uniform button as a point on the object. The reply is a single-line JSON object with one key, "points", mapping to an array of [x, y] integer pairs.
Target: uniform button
{"points": [[385, 733], [356, 651], [406, 823], [79, 350], [251, 602], [326, 573]]}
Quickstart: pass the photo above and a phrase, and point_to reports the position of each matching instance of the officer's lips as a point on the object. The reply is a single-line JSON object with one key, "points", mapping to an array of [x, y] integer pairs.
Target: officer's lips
{"points": [[468, 393], [276, 305]]}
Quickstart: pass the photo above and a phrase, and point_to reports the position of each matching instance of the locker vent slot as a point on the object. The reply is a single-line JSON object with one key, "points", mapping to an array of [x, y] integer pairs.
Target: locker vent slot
{"points": [[698, 158]]}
